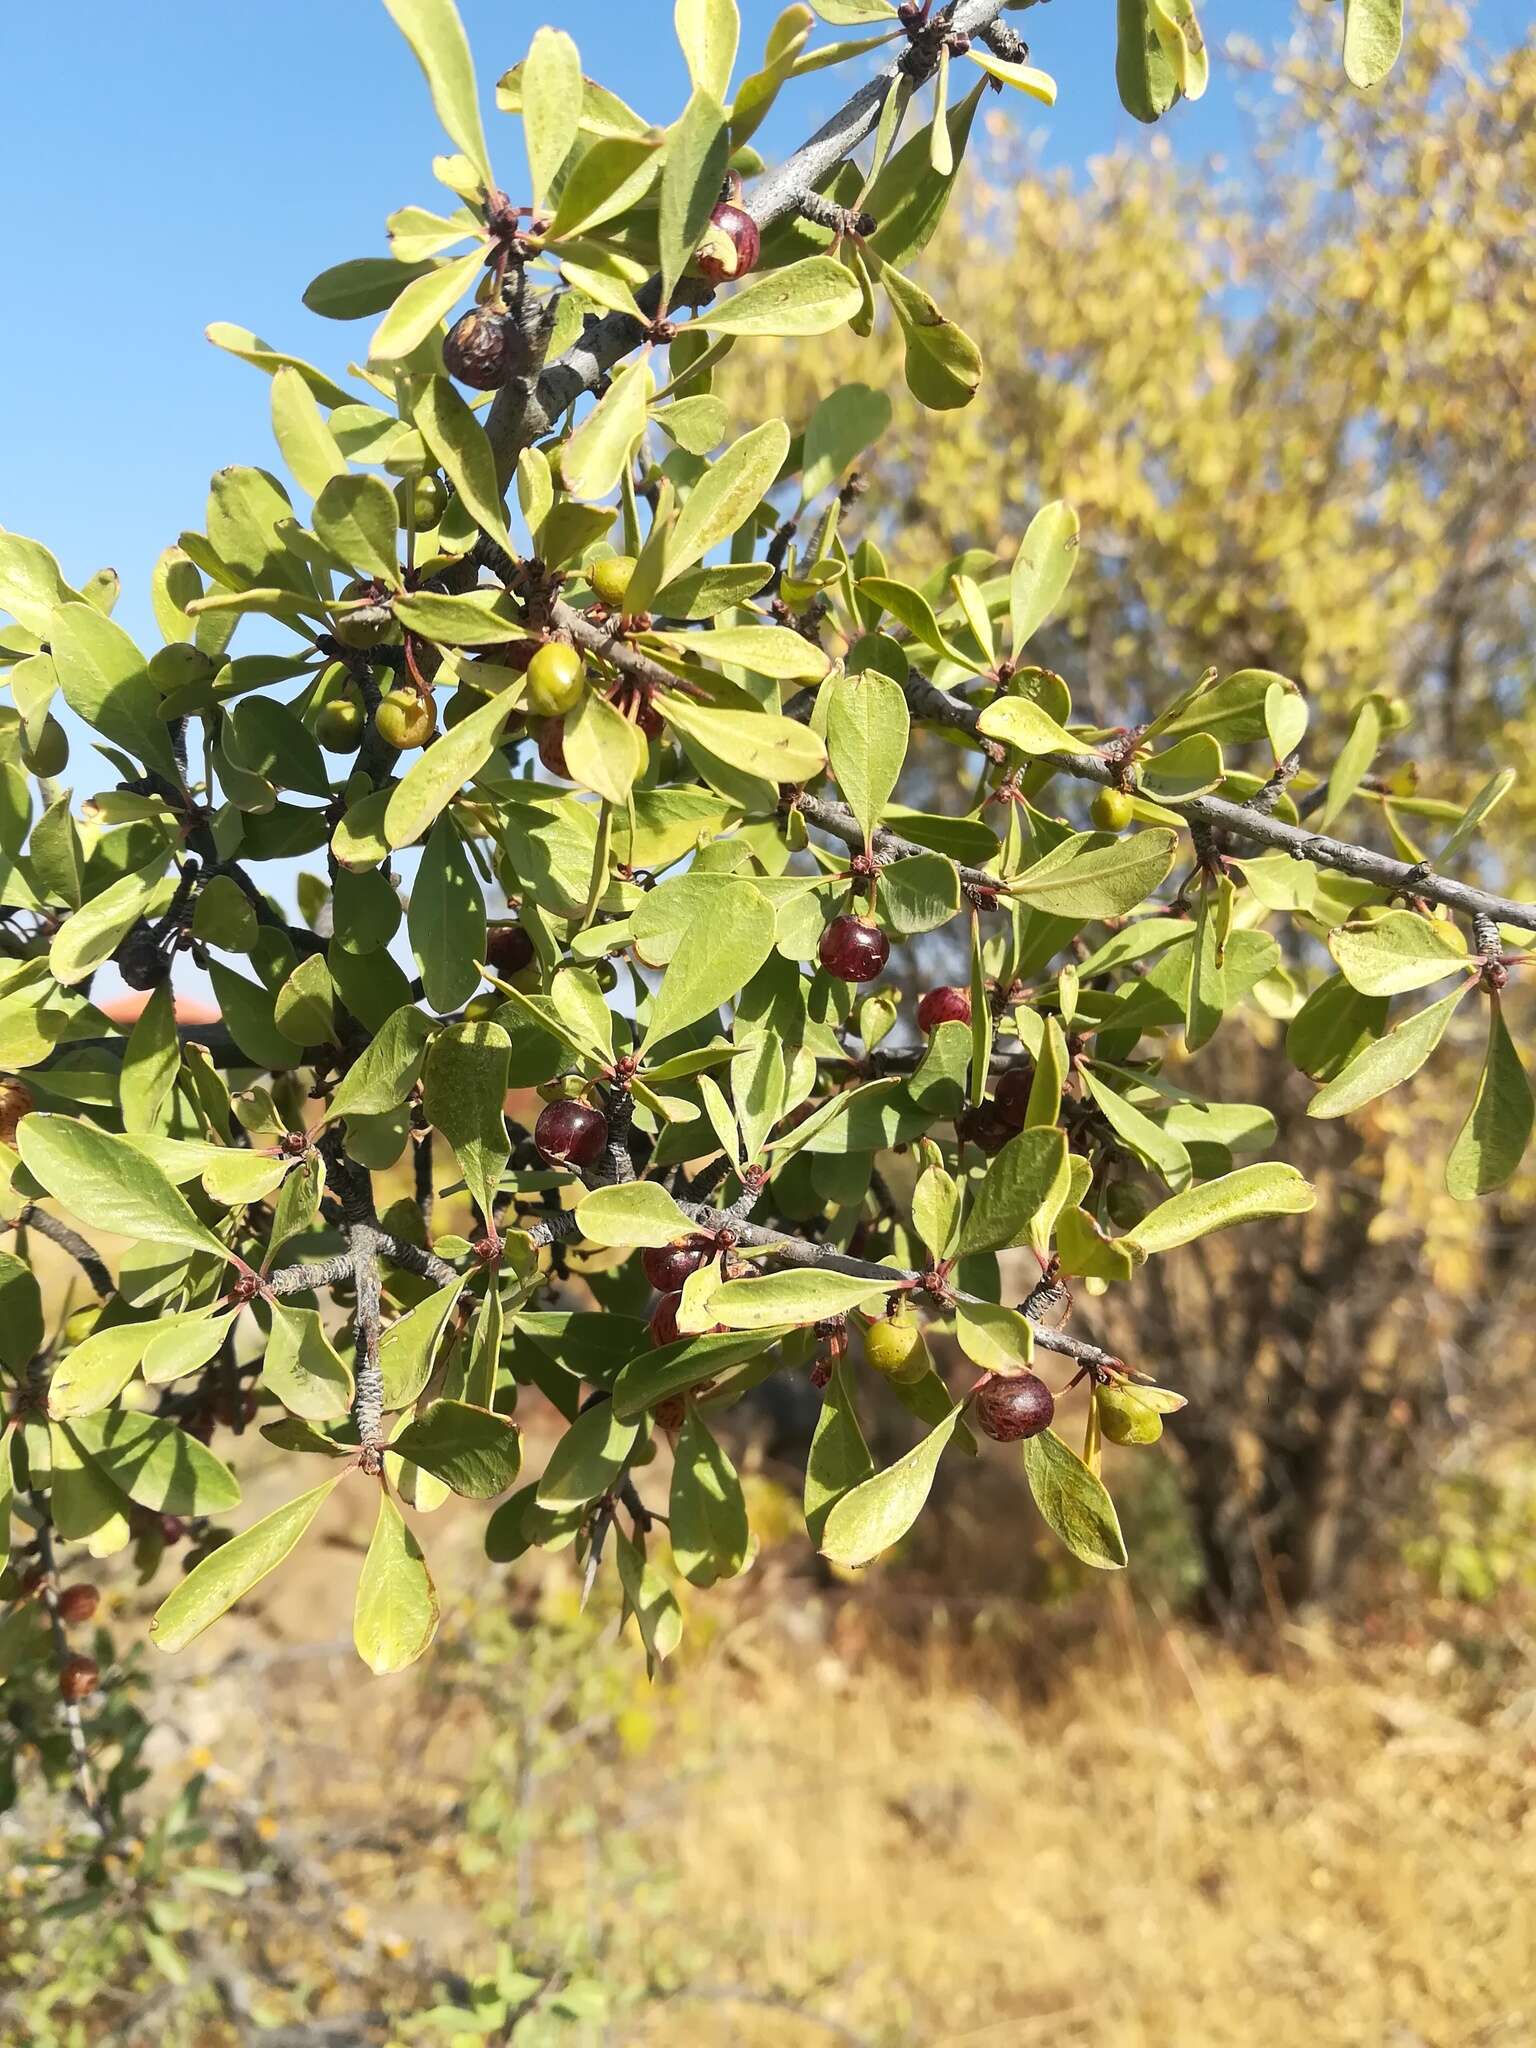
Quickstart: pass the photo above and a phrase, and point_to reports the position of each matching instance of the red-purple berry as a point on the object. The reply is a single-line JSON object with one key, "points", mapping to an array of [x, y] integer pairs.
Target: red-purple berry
{"points": [[943, 1006], [1011, 1099], [1011, 1409], [664, 1328], [667, 1266], [78, 1678], [730, 245], [509, 949], [854, 950], [78, 1603], [571, 1134]]}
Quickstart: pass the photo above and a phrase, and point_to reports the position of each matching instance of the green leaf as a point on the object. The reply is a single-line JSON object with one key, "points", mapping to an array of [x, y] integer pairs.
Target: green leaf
{"points": [[1022, 723], [698, 148], [1353, 760], [603, 750], [1026, 1180], [436, 36], [673, 1369], [715, 931], [609, 176], [438, 774], [597, 454], [353, 291], [407, 1347], [839, 1458], [1285, 718], [589, 1459], [155, 1463], [996, 1338], [551, 107], [396, 1614], [1106, 882], [1373, 36], [304, 1008], [1386, 1062], [920, 893], [308, 446], [881, 1509], [1493, 1139], [1398, 951], [1147, 81], [94, 1373], [867, 730], [776, 749], [464, 1090], [1041, 571], [180, 1344], [32, 586], [1179, 35], [707, 1512], [1039, 85], [709, 32], [1268, 1189], [635, 1212], [446, 919], [21, 1312], [844, 424], [228, 1573], [357, 519], [650, 1600], [88, 939], [727, 495], [108, 1184], [423, 305], [387, 1069], [481, 618], [302, 1367], [810, 297], [474, 1451], [773, 651], [104, 679], [1073, 1502], [459, 442], [1148, 1140], [943, 365], [797, 1295], [908, 198]]}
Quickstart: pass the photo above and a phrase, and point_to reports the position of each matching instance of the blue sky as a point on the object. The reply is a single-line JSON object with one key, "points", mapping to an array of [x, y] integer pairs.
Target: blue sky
{"points": [[164, 165]]}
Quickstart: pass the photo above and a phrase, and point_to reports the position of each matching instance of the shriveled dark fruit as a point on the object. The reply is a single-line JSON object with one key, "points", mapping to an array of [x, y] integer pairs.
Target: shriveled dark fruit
{"points": [[667, 1266], [405, 719], [15, 1103], [571, 1134], [981, 1126], [730, 245], [944, 1006], [1011, 1097], [339, 723], [854, 950], [664, 1328], [610, 579], [78, 1679], [1125, 1205], [1112, 810], [671, 1413], [509, 949], [1011, 1409], [180, 665], [552, 748], [555, 677], [1124, 1419], [485, 348], [422, 500], [48, 754], [78, 1603], [894, 1346]]}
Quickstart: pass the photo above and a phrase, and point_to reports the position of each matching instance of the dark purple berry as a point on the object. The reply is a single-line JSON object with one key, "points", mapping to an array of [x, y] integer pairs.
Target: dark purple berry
{"points": [[509, 949], [944, 1006], [1011, 1409], [854, 950], [982, 1126], [571, 1134], [667, 1266], [1012, 1098], [664, 1328]]}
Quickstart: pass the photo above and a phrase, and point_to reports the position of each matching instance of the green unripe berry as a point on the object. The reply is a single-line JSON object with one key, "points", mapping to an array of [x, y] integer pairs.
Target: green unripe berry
{"points": [[555, 677], [49, 753], [404, 720], [1112, 810], [181, 666], [610, 579], [1124, 1419], [894, 1346], [354, 631], [422, 500], [339, 722]]}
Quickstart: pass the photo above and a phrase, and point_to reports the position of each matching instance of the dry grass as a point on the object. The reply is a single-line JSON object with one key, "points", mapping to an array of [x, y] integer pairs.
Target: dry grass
{"points": [[843, 1827]]}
